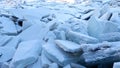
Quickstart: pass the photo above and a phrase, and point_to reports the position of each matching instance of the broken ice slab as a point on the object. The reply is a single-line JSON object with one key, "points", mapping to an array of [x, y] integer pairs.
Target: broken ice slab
{"points": [[87, 16], [26, 53], [95, 26], [106, 16], [50, 36], [36, 13], [26, 24], [13, 42], [80, 38], [48, 18], [110, 27], [115, 17], [69, 46], [4, 65], [6, 53], [116, 65], [105, 65], [74, 65], [54, 65], [67, 66], [104, 9], [37, 64], [8, 26], [4, 39], [45, 62], [55, 54], [36, 31], [107, 52], [111, 37], [86, 9], [78, 25]]}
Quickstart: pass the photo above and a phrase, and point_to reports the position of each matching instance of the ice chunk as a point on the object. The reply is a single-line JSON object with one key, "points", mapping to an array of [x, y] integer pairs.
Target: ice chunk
{"points": [[106, 16], [68, 46], [111, 27], [115, 17], [50, 36], [4, 65], [97, 13], [57, 55], [13, 42], [45, 61], [116, 65], [6, 53], [87, 16], [104, 9], [4, 40], [95, 26], [78, 25], [101, 53], [67, 66], [48, 18], [36, 31], [37, 64], [74, 65], [80, 38], [53, 65], [111, 37], [27, 53], [8, 26]]}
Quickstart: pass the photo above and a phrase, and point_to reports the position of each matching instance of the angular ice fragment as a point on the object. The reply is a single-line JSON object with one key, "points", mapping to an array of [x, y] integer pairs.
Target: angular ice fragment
{"points": [[68, 46], [80, 38], [116, 65], [54, 53], [115, 17], [67, 66], [36, 31], [45, 61], [6, 53], [95, 27], [8, 26], [111, 37], [74, 65], [37, 64], [110, 27], [27, 53], [54, 65]]}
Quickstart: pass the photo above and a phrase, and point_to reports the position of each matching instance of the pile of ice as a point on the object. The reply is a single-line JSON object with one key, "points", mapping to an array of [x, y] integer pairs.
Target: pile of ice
{"points": [[52, 35]]}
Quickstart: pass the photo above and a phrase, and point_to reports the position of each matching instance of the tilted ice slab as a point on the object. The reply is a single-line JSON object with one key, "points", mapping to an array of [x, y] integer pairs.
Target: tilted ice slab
{"points": [[111, 37], [27, 53], [68, 46], [36, 31], [115, 17], [37, 64], [106, 16], [53, 65], [110, 27], [8, 26], [74, 65], [6, 53], [80, 38], [4, 39], [45, 62], [95, 26], [57, 55], [116, 65], [67, 66], [106, 52]]}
